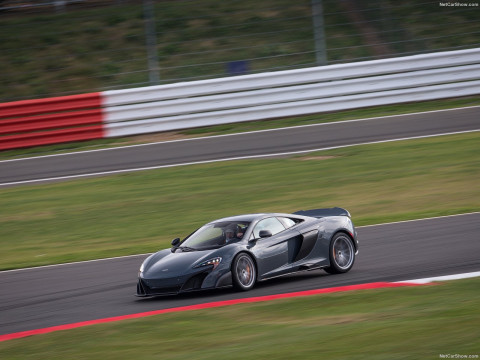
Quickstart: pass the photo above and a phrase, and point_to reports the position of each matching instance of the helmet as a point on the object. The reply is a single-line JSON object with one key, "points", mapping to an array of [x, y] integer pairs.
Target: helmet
{"points": [[240, 232], [230, 233]]}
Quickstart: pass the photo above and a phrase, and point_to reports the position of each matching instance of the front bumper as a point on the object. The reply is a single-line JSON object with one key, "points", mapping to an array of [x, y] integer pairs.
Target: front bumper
{"points": [[188, 283], [172, 286]]}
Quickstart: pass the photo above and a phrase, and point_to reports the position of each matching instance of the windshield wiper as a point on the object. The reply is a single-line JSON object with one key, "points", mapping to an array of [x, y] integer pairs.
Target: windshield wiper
{"points": [[211, 247], [184, 248]]}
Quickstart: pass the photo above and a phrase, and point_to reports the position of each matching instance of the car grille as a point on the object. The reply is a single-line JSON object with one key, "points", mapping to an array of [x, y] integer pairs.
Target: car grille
{"points": [[173, 285], [143, 289]]}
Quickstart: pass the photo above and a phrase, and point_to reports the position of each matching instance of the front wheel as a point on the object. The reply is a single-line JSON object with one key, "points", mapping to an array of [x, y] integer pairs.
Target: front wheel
{"points": [[342, 254], [244, 273]]}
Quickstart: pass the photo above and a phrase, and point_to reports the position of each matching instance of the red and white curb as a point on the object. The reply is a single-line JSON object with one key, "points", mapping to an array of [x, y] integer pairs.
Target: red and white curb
{"points": [[376, 285]]}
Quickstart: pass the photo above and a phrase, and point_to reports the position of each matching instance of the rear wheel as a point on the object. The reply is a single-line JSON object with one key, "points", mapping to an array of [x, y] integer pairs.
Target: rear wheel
{"points": [[244, 273], [342, 254]]}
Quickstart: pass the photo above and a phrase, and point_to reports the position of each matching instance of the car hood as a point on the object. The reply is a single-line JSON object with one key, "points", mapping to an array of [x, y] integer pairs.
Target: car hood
{"points": [[166, 263]]}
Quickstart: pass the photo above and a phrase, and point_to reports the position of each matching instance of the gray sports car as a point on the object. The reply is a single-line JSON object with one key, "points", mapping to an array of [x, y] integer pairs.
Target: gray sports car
{"points": [[241, 250]]}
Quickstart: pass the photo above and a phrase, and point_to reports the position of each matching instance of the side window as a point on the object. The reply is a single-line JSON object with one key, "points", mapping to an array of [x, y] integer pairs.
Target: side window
{"points": [[287, 222], [271, 224]]}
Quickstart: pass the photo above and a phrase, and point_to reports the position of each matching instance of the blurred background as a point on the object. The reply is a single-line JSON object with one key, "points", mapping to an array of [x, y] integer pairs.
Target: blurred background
{"points": [[61, 47]]}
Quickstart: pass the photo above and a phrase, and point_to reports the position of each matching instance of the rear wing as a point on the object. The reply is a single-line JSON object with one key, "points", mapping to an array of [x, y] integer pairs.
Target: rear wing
{"points": [[319, 213]]}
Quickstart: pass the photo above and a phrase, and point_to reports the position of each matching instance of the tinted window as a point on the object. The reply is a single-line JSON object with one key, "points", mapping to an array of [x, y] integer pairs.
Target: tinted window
{"points": [[271, 224], [287, 222], [216, 234]]}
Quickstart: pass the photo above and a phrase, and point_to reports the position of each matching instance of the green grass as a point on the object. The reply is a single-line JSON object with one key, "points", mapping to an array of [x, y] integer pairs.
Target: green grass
{"points": [[402, 323], [93, 48], [250, 126], [104, 47], [142, 212]]}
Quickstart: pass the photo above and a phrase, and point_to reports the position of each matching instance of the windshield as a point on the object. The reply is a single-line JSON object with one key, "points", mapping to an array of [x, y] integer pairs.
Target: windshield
{"points": [[216, 235]]}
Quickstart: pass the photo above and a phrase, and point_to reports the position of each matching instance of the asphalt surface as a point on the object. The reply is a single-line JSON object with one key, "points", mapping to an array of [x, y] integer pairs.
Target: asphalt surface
{"points": [[48, 296], [248, 144]]}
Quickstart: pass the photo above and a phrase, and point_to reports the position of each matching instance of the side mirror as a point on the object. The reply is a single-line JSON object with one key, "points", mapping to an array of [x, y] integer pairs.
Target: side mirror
{"points": [[175, 241], [265, 233]]}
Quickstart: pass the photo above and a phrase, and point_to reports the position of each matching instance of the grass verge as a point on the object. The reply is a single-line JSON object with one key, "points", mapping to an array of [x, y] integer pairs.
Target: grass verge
{"points": [[378, 111], [141, 212], [401, 323]]}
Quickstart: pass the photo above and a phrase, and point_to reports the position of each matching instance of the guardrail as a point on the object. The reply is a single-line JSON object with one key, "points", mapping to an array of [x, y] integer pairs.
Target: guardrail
{"points": [[241, 98], [291, 93]]}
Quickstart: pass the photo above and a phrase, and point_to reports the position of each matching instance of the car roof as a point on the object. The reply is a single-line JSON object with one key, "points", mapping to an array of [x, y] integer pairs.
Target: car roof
{"points": [[253, 217]]}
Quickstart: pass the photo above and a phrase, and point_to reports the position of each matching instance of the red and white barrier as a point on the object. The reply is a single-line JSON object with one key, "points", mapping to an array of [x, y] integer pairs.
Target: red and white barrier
{"points": [[49, 121], [242, 98]]}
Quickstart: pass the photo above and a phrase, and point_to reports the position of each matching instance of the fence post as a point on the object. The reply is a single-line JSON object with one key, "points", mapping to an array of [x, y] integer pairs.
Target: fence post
{"points": [[151, 42], [319, 33]]}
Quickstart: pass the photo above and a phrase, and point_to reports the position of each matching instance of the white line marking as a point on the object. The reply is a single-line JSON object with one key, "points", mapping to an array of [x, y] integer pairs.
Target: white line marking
{"points": [[73, 263], [442, 278], [241, 133], [413, 220], [112, 172], [135, 255]]}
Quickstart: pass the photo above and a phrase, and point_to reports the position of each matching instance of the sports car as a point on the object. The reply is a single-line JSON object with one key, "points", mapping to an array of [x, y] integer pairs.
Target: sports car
{"points": [[238, 251]]}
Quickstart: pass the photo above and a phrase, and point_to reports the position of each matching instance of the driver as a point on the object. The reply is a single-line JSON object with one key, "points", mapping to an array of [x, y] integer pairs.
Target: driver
{"points": [[233, 232], [229, 234]]}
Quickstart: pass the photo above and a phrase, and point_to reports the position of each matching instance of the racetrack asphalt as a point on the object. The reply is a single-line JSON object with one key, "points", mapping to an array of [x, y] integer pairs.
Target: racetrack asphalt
{"points": [[241, 145], [48, 296]]}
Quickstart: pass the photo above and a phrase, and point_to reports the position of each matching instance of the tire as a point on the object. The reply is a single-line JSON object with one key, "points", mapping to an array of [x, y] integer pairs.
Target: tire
{"points": [[342, 254], [244, 272]]}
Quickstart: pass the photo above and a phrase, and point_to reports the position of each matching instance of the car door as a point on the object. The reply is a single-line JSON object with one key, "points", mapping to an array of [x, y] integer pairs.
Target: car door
{"points": [[272, 252]]}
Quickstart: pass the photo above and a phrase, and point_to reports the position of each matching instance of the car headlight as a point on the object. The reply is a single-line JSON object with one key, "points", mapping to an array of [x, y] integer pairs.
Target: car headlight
{"points": [[142, 267], [215, 262]]}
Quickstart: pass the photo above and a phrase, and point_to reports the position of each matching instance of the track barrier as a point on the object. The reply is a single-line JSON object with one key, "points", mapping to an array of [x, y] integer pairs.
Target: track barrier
{"points": [[240, 98]]}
